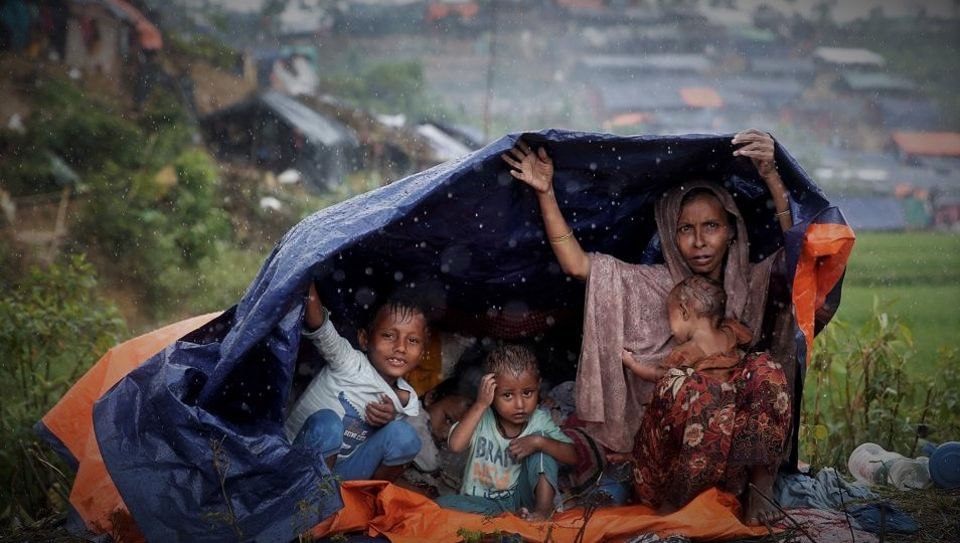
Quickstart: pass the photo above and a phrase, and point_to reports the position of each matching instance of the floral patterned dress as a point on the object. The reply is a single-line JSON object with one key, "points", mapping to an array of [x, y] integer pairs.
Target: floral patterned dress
{"points": [[700, 431]]}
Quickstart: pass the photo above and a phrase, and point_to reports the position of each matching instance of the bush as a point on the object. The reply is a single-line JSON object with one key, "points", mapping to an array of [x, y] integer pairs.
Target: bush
{"points": [[156, 221], [857, 390], [53, 326]]}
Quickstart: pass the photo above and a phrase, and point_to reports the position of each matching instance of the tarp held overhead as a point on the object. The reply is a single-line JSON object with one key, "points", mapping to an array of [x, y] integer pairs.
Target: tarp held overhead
{"points": [[195, 433]]}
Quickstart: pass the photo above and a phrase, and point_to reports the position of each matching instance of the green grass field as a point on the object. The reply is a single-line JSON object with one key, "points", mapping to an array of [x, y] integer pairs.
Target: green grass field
{"points": [[919, 274]]}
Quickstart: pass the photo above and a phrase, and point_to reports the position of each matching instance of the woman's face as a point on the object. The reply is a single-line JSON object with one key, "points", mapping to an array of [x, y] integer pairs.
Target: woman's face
{"points": [[703, 235]]}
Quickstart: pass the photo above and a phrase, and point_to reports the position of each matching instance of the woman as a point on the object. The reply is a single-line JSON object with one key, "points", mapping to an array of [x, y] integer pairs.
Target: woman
{"points": [[701, 232]]}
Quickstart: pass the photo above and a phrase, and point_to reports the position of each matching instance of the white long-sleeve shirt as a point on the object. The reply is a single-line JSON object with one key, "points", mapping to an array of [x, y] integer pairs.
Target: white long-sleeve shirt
{"points": [[346, 385]]}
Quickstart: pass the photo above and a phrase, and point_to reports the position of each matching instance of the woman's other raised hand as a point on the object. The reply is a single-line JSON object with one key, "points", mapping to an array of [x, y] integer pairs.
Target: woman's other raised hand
{"points": [[758, 146], [533, 168]]}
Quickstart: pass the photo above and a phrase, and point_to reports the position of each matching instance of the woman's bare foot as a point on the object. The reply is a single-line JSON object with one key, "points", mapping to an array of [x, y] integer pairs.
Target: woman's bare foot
{"points": [[532, 516], [757, 507]]}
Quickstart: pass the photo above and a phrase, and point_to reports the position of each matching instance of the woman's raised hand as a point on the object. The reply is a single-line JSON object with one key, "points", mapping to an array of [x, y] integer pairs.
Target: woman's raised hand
{"points": [[533, 168], [759, 147]]}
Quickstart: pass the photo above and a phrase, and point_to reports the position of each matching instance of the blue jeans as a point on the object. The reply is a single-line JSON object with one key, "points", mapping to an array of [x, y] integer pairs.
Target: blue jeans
{"points": [[522, 494], [394, 444]]}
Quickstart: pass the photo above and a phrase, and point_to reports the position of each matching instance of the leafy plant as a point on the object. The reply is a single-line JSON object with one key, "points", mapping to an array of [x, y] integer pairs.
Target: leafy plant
{"points": [[53, 326], [858, 390]]}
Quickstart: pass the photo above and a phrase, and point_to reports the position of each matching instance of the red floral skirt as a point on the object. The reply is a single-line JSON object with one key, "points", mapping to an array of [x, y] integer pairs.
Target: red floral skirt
{"points": [[699, 432]]}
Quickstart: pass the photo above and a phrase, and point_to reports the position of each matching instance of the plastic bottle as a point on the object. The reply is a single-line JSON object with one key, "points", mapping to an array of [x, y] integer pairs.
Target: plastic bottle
{"points": [[869, 463], [909, 473]]}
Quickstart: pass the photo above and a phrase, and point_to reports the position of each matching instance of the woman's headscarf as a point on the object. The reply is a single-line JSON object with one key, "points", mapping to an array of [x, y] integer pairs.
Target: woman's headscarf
{"points": [[625, 307], [746, 291]]}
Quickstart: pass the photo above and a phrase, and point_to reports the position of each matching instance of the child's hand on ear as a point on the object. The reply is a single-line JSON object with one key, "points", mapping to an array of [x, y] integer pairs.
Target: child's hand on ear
{"points": [[380, 413], [488, 387]]}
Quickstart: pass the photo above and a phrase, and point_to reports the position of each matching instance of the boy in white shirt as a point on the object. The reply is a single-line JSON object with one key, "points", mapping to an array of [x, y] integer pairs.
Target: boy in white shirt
{"points": [[327, 417]]}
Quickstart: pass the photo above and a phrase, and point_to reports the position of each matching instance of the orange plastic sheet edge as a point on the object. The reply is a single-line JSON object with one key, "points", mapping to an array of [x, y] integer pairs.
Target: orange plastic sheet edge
{"points": [[94, 495], [823, 259], [379, 508]]}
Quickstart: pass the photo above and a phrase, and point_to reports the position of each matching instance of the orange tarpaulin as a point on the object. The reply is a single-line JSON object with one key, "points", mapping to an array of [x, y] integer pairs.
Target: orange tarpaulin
{"points": [[94, 495], [822, 262], [379, 508]]}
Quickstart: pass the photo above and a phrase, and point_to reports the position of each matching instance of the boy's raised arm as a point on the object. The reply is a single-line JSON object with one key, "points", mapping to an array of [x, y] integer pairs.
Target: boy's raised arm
{"points": [[315, 314], [460, 437]]}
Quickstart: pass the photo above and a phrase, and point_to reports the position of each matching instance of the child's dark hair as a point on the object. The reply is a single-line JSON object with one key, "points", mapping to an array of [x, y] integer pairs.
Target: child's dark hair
{"points": [[403, 305], [512, 359], [704, 296], [456, 385]]}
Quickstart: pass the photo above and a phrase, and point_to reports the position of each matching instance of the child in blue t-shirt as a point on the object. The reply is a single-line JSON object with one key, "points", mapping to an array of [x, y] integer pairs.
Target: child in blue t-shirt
{"points": [[514, 446]]}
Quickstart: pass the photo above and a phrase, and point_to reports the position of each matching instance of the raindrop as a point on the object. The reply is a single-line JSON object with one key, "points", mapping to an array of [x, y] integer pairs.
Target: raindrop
{"points": [[364, 297]]}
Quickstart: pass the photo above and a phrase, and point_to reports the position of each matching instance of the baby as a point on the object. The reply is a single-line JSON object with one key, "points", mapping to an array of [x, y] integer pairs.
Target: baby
{"points": [[706, 341]]}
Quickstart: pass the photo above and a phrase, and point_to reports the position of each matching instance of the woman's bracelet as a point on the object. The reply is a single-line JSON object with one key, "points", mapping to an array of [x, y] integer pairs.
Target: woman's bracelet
{"points": [[561, 239], [779, 214]]}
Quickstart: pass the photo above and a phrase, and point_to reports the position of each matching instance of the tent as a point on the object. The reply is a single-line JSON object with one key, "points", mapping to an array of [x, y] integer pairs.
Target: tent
{"points": [[191, 439]]}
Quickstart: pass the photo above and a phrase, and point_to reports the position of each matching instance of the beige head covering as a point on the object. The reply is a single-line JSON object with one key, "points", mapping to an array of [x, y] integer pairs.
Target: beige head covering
{"points": [[625, 308]]}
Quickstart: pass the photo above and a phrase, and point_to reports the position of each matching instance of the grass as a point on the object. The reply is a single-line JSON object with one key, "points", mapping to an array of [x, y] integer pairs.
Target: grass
{"points": [[918, 275]]}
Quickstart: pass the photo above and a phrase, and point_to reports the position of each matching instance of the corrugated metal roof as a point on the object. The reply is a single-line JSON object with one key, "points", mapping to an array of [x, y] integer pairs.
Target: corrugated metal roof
{"points": [[846, 55], [315, 127], [876, 82], [910, 114], [701, 97], [640, 96], [774, 65], [638, 63], [148, 35], [928, 143]]}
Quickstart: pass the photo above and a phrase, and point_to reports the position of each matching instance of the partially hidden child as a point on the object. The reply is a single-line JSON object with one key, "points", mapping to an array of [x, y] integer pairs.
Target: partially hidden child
{"points": [[515, 448], [436, 471], [352, 413]]}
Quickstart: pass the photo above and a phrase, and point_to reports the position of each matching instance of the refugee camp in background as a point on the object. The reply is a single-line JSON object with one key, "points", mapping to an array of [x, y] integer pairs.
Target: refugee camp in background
{"points": [[207, 411]]}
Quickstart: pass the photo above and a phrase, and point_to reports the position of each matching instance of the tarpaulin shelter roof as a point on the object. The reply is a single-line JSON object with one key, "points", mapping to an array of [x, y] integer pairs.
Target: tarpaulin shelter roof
{"points": [[192, 438], [148, 35]]}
